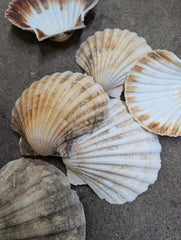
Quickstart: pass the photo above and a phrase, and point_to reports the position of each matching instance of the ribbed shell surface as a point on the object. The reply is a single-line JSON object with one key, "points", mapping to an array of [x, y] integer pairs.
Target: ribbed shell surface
{"points": [[108, 56], [118, 161], [153, 92], [36, 202], [52, 112], [49, 18]]}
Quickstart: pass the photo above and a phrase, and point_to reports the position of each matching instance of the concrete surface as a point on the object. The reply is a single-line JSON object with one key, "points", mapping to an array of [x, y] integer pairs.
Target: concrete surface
{"points": [[156, 214]]}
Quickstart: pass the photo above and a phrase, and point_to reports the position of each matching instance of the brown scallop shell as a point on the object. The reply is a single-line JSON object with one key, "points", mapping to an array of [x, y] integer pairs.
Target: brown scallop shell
{"points": [[52, 112]]}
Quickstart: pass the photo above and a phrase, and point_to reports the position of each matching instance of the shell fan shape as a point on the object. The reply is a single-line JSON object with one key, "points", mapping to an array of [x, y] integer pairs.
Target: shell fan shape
{"points": [[55, 19], [36, 202], [108, 56], [52, 112], [118, 161], [153, 92]]}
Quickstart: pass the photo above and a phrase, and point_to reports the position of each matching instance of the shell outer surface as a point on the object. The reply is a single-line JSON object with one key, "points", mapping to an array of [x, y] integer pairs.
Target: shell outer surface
{"points": [[36, 202], [153, 92], [52, 112], [118, 161], [108, 56], [49, 18]]}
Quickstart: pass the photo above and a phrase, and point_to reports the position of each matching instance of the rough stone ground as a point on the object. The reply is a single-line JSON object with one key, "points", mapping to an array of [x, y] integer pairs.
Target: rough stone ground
{"points": [[156, 214]]}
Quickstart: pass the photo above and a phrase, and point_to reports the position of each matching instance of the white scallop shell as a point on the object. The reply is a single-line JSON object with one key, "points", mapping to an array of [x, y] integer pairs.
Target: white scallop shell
{"points": [[153, 92], [47, 18], [108, 56], [119, 161], [52, 112]]}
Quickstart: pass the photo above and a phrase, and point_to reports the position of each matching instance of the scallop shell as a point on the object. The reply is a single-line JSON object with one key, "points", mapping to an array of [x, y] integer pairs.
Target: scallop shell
{"points": [[109, 55], [118, 161], [153, 92], [52, 112], [36, 202], [47, 18]]}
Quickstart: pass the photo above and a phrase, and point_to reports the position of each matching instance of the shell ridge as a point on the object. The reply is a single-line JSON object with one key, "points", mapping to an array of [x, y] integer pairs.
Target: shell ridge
{"points": [[116, 173], [43, 102], [90, 118], [77, 122], [123, 188], [21, 193], [151, 67], [65, 99], [123, 77]]}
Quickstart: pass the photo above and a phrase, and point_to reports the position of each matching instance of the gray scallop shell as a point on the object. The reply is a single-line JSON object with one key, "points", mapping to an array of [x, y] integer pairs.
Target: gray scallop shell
{"points": [[36, 202]]}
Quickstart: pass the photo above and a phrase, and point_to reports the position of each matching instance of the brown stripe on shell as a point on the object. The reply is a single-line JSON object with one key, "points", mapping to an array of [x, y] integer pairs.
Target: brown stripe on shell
{"points": [[79, 21], [145, 61], [166, 129], [160, 54], [44, 4], [17, 19], [143, 117], [40, 34], [35, 6], [138, 68], [176, 130], [18, 12], [130, 88], [130, 99], [132, 77], [136, 108]]}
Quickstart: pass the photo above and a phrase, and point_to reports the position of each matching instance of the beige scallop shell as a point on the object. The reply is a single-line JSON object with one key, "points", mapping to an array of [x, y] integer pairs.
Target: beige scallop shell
{"points": [[153, 92], [108, 56], [52, 112], [36, 202], [55, 19], [118, 161]]}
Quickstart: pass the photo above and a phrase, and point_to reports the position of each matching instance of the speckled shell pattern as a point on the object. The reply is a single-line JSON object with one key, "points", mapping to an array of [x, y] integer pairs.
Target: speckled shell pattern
{"points": [[36, 202], [153, 92], [54, 19], [118, 161], [52, 112], [108, 56]]}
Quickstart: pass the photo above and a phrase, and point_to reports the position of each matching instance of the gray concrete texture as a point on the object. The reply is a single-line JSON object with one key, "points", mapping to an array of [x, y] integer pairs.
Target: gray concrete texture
{"points": [[155, 214]]}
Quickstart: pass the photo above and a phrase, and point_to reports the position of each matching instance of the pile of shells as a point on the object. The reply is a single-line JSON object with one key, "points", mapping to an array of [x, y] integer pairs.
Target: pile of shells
{"points": [[106, 143]]}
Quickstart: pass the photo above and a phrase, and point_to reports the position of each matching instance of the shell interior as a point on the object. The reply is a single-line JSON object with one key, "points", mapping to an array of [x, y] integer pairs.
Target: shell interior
{"points": [[49, 18], [153, 92], [108, 56], [118, 161], [36, 202]]}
